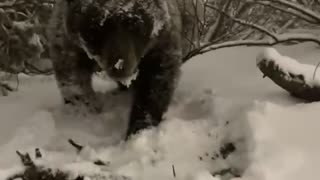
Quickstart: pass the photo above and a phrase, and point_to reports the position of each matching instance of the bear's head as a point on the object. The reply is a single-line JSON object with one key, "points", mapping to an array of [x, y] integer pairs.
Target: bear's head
{"points": [[116, 33]]}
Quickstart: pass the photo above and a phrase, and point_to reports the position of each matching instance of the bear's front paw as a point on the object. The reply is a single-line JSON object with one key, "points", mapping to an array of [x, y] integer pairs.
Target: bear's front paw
{"points": [[92, 103]]}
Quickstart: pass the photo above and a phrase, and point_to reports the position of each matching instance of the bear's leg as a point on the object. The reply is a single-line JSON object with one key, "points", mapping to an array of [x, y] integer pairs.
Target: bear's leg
{"points": [[73, 72], [153, 90]]}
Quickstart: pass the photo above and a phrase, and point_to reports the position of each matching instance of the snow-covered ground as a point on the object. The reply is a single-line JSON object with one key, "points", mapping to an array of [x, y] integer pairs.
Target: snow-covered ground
{"points": [[221, 98]]}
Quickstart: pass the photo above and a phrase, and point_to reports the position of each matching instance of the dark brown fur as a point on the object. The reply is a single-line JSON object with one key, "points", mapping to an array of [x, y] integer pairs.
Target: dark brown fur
{"points": [[156, 54]]}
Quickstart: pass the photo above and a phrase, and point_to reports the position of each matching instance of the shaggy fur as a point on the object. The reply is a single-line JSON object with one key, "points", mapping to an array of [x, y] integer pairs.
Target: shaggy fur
{"points": [[145, 34]]}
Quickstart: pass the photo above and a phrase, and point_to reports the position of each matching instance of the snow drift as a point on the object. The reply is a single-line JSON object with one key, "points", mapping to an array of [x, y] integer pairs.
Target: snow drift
{"points": [[273, 135]]}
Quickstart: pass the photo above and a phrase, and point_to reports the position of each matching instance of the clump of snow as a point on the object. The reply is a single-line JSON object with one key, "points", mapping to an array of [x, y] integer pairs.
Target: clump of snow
{"points": [[159, 20], [5, 173], [22, 25], [119, 64], [95, 57], [267, 54], [127, 81], [203, 175], [149, 154], [277, 155], [35, 40], [289, 65], [90, 172], [159, 11], [157, 27], [104, 18], [127, 7]]}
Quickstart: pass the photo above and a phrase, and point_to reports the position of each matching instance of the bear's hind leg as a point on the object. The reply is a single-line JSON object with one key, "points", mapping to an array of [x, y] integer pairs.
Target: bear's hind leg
{"points": [[73, 72]]}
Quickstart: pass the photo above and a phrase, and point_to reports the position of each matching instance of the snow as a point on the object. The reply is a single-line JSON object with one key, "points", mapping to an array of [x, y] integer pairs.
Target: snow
{"points": [[22, 25], [119, 64], [92, 56], [127, 81], [35, 40], [104, 18], [221, 98], [290, 65], [160, 18], [203, 175]]}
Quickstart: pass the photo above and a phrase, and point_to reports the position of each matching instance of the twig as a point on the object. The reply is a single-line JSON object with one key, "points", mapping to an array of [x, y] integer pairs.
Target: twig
{"points": [[25, 159], [76, 145], [280, 39], [315, 71], [242, 22], [18, 82], [101, 163], [6, 86], [174, 172]]}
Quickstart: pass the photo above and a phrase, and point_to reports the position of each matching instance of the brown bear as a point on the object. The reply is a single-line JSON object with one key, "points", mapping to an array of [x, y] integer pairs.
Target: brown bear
{"points": [[129, 39]]}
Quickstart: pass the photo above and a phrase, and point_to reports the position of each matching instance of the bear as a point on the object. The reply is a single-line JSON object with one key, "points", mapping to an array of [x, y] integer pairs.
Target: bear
{"points": [[131, 40]]}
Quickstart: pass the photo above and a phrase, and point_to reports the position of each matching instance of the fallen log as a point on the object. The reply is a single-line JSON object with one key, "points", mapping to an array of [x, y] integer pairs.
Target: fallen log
{"points": [[300, 80]]}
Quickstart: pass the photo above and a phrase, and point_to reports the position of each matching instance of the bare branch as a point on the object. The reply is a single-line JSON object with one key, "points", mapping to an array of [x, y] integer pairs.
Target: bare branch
{"points": [[25, 159], [286, 10], [215, 28], [242, 22], [268, 42], [75, 145], [299, 8]]}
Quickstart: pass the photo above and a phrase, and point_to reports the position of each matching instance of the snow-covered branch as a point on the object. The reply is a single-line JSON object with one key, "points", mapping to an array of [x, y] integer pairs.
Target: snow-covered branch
{"points": [[300, 80], [262, 23], [267, 42]]}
